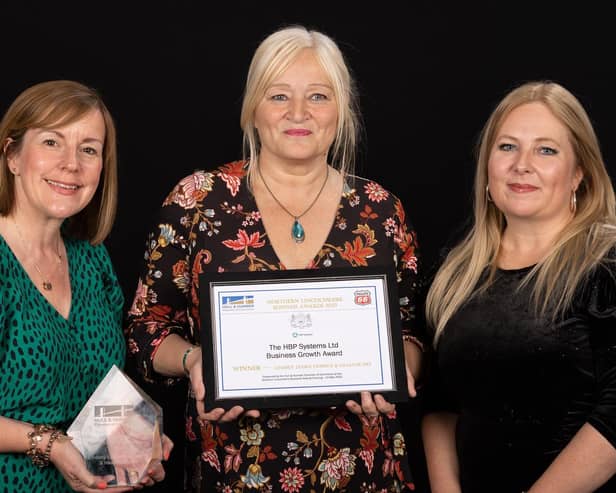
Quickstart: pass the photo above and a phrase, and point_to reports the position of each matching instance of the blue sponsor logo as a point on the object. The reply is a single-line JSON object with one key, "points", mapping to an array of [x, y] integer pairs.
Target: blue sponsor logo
{"points": [[233, 302]]}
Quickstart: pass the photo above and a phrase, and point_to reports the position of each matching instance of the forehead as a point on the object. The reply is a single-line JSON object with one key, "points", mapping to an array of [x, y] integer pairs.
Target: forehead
{"points": [[306, 68], [90, 124], [533, 119]]}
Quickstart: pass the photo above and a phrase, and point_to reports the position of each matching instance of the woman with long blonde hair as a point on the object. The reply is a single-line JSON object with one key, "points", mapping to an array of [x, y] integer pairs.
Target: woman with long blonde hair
{"points": [[523, 393]]}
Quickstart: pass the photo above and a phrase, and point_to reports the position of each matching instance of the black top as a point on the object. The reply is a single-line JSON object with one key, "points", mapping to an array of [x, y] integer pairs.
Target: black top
{"points": [[523, 386]]}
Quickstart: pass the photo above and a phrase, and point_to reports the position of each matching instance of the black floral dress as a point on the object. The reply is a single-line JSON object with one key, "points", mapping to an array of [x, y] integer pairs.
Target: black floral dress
{"points": [[210, 222]]}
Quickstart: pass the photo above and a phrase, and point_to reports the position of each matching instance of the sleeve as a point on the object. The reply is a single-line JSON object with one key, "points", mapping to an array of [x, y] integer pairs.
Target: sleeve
{"points": [[602, 313], [162, 298], [406, 258]]}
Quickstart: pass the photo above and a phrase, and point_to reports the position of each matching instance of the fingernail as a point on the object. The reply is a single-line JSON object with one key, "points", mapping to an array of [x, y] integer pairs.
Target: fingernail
{"points": [[166, 455], [101, 485]]}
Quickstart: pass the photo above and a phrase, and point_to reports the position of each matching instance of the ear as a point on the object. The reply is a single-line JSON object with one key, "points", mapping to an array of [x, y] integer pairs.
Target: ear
{"points": [[10, 156], [6, 145], [578, 176]]}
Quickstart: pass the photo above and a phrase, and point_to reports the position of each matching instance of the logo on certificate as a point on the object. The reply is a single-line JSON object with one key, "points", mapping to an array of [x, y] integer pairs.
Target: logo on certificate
{"points": [[238, 302], [301, 320], [362, 297]]}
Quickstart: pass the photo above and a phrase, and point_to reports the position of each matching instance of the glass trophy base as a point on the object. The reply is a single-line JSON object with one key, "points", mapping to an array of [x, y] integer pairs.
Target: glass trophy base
{"points": [[119, 430]]}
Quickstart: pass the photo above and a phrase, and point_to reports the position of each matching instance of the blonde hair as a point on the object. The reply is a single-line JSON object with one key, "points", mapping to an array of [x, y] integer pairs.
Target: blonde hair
{"points": [[582, 244], [54, 104], [273, 56]]}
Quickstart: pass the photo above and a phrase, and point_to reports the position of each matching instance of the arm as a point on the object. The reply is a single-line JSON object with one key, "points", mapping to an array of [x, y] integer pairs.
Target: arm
{"points": [[589, 459], [159, 332], [406, 262], [163, 298], [587, 462], [438, 432], [63, 455]]}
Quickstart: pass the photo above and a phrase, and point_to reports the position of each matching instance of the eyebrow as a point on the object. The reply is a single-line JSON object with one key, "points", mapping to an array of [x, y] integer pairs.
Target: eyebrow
{"points": [[315, 84], [60, 134], [539, 139]]}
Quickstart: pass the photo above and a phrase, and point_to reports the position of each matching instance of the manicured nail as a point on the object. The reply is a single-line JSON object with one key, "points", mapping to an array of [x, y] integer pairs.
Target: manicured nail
{"points": [[166, 455], [101, 485]]}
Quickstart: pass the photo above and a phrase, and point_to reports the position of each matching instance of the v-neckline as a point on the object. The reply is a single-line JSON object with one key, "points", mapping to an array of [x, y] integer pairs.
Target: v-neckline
{"points": [[253, 202], [25, 274]]}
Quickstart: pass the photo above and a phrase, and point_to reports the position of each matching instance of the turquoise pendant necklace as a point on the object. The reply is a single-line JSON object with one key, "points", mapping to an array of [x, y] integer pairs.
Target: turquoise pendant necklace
{"points": [[297, 230]]}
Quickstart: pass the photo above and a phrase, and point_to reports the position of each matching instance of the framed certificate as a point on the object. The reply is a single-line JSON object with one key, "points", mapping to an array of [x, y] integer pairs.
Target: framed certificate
{"points": [[296, 338]]}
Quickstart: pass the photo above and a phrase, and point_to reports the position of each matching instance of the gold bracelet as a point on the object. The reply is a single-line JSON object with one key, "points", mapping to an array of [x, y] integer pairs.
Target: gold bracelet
{"points": [[37, 456]]}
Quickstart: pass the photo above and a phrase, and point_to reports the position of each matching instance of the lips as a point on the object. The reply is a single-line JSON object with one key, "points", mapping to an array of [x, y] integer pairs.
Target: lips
{"points": [[64, 186], [522, 187], [297, 132]]}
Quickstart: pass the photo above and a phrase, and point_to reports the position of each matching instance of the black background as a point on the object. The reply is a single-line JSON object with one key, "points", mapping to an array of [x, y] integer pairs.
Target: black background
{"points": [[429, 74]]}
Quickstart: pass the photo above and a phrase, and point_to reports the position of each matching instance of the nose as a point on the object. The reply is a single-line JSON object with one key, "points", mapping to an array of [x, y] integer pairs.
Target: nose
{"points": [[523, 162], [70, 161], [298, 111]]}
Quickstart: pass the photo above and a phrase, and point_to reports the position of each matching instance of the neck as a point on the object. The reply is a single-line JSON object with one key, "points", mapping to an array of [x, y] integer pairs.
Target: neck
{"points": [[292, 173], [36, 236], [521, 247]]}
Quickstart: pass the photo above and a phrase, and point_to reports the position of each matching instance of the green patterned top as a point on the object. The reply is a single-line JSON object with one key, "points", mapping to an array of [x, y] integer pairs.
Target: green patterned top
{"points": [[49, 366]]}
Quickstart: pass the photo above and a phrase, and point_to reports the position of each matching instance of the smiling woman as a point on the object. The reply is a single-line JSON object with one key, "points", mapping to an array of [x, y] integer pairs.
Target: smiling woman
{"points": [[61, 303], [524, 309], [292, 203]]}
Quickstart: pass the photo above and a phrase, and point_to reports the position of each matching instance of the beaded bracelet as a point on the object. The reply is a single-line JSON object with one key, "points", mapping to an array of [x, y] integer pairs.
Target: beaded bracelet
{"points": [[37, 456], [186, 353]]}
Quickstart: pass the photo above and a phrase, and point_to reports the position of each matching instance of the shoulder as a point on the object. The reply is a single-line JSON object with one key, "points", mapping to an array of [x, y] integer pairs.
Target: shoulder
{"points": [[372, 197], [195, 187], [83, 251], [599, 288], [369, 190]]}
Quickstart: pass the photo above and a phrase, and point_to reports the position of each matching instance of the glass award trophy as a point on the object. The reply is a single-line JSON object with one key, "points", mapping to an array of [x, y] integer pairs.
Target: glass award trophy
{"points": [[119, 430]]}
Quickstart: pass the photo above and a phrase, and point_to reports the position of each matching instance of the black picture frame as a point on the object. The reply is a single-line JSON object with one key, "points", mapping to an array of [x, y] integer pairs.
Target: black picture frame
{"points": [[385, 274]]}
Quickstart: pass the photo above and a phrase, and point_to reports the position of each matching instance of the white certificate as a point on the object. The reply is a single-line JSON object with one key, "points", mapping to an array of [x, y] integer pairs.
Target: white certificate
{"points": [[301, 338]]}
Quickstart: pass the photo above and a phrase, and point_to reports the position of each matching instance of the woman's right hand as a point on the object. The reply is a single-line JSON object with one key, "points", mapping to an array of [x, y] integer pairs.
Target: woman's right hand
{"points": [[69, 461], [195, 374]]}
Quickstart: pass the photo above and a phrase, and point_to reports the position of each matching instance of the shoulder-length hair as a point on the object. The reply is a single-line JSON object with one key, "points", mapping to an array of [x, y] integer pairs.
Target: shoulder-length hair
{"points": [[582, 244], [54, 104], [273, 56]]}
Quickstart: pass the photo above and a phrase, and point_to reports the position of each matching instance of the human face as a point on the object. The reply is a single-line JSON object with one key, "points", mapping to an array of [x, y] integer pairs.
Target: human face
{"points": [[58, 169], [296, 119], [532, 167]]}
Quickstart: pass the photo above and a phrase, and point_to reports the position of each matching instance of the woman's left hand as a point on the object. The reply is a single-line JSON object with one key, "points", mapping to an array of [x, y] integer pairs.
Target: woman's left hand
{"points": [[370, 406], [130, 448]]}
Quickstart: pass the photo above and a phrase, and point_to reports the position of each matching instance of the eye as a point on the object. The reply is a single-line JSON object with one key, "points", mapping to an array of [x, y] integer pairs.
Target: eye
{"points": [[91, 151], [319, 97], [50, 142], [548, 151], [278, 97], [506, 147]]}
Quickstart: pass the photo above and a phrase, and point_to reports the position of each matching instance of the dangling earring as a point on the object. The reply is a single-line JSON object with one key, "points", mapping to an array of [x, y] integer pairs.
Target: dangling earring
{"points": [[488, 193], [573, 202]]}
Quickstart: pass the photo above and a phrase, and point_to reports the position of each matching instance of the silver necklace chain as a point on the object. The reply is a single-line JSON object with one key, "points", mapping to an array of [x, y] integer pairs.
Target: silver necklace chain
{"points": [[282, 206], [47, 286]]}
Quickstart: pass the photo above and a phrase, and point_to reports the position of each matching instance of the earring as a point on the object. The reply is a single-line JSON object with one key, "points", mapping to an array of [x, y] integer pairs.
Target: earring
{"points": [[488, 193], [573, 202]]}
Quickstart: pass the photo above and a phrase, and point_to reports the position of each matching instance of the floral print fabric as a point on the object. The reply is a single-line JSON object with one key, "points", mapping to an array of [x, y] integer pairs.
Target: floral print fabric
{"points": [[210, 223]]}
